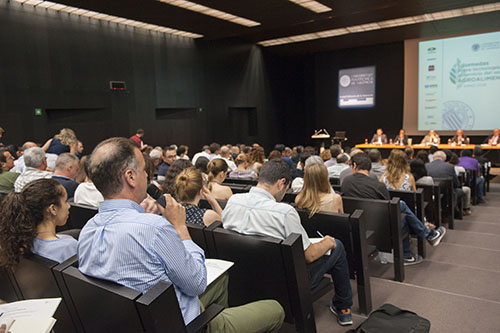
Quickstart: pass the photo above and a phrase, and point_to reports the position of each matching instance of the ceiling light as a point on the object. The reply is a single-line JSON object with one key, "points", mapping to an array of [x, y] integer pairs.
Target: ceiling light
{"points": [[107, 18], [211, 12], [384, 24], [314, 6]]}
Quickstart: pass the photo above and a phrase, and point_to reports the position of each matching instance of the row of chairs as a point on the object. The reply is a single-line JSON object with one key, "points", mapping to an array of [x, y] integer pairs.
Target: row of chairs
{"points": [[94, 305]]}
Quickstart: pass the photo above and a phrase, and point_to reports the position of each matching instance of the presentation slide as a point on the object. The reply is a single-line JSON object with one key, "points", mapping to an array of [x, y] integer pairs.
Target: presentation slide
{"points": [[357, 87], [459, 83]]}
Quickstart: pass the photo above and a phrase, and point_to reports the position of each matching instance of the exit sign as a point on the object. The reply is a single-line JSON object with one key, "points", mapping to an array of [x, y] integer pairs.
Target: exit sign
{"points": [[38, 112]]}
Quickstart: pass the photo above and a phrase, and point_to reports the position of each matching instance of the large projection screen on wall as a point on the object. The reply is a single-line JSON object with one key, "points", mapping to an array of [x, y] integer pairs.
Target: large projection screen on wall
{"points": [[453, 83]]}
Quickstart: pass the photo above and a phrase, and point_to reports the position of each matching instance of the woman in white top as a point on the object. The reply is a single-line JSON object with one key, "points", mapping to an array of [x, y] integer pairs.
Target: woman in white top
{"points": [[317, 194], [217, 171], [28, 223], [86, 193], [242, 171]]}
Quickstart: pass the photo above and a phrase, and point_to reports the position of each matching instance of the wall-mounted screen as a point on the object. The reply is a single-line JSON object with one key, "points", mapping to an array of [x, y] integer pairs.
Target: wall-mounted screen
{"points": [[357, 87], [459, 83]]}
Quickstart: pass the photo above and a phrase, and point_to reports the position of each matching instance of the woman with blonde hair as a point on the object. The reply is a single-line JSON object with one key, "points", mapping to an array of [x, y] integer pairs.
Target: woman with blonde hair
{"points": [[242, 171], [217, 171], [64, 142], [397, 175], [190, 189], [317, 194]]}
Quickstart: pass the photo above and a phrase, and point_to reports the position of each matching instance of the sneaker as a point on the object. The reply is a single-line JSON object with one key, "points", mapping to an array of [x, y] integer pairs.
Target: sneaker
{"points": [[344, 316], [413, 260], [467, 212], [481, 201], [435, 239]]}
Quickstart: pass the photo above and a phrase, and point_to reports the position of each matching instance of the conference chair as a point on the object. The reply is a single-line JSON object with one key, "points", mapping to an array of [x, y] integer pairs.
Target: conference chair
{"points": [[104, 306]]}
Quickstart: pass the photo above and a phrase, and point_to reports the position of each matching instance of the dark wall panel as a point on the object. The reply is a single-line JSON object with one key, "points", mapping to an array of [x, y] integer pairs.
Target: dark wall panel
{"points": [[361, 123], [63, 64]]}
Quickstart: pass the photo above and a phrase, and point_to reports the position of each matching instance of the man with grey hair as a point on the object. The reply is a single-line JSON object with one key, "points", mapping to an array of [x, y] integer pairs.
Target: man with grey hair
{"points": [[439, 168], [35, 166], [67, 166], [298, 182], [225, 154], [128, 246], [342, 163]]}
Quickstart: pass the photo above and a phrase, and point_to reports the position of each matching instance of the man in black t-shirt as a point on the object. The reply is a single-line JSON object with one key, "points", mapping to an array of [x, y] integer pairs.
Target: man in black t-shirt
{"points": [[361, 185]]}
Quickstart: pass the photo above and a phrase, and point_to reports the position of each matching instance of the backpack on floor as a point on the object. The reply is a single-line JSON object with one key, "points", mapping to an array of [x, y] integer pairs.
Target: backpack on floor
{"points": [[391, 319]]}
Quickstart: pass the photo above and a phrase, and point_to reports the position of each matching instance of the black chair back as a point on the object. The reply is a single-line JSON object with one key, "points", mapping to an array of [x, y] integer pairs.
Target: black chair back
{"points": [[35, 279], [102, 306], [230, 180], [9, 291], [448, 200], [239, 188], [383, 217], [79, 215], [198, 235], [267, 268], [332, 224]]}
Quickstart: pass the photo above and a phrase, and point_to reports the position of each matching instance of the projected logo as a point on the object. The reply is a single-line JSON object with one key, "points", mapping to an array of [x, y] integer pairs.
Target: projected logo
{"points": [[345, 81], [456, 73], [475, 47], [457, 115]]}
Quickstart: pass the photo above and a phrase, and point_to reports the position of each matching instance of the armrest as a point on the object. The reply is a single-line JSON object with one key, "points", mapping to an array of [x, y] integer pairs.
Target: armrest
{"points": [[204, 318]]}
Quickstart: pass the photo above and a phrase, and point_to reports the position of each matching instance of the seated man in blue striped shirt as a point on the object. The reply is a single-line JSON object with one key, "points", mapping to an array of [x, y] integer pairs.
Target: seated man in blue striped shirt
{"points": [[124, 244]]}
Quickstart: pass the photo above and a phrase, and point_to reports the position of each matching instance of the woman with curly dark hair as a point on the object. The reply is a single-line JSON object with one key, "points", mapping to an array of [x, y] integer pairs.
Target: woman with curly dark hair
{"points": [[28, 223]]}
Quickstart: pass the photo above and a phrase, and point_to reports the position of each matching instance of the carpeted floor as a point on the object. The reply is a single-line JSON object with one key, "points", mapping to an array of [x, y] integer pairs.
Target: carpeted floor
{"points": [[457, 287]]}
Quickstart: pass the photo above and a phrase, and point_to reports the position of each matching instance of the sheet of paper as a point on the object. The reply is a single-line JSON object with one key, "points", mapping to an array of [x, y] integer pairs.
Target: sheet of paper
{"points": [[45, 307], [32, 325], [317, 240], [215, 268]]}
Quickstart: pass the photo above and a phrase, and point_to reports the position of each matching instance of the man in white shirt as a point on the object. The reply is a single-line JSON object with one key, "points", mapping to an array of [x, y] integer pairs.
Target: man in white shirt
{"points": [[259, 212], [225, 154], [35, 165]]}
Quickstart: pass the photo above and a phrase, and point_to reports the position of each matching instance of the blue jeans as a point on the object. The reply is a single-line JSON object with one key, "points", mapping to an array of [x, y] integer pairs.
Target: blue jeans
{"points": [[480, 187], [414, 224], [336, 265]]}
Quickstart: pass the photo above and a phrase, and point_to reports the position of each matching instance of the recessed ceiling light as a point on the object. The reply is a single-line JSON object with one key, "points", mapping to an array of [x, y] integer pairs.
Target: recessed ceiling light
{"points": [[315, 6], [384, 24], [211, 12], [107, 18]]}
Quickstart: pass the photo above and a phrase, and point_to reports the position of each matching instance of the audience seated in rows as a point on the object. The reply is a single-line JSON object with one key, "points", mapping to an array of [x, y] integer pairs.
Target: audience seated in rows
{"points": [[66, 169], [217, 171], [138, 249], [35, 168], [7, 178], [317, 194], [28, 223], [189, 190], [361, 185], [260, 212]]}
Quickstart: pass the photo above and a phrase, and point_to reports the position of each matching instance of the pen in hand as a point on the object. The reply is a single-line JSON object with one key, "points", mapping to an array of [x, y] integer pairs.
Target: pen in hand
{"points": [[319, 233]]}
